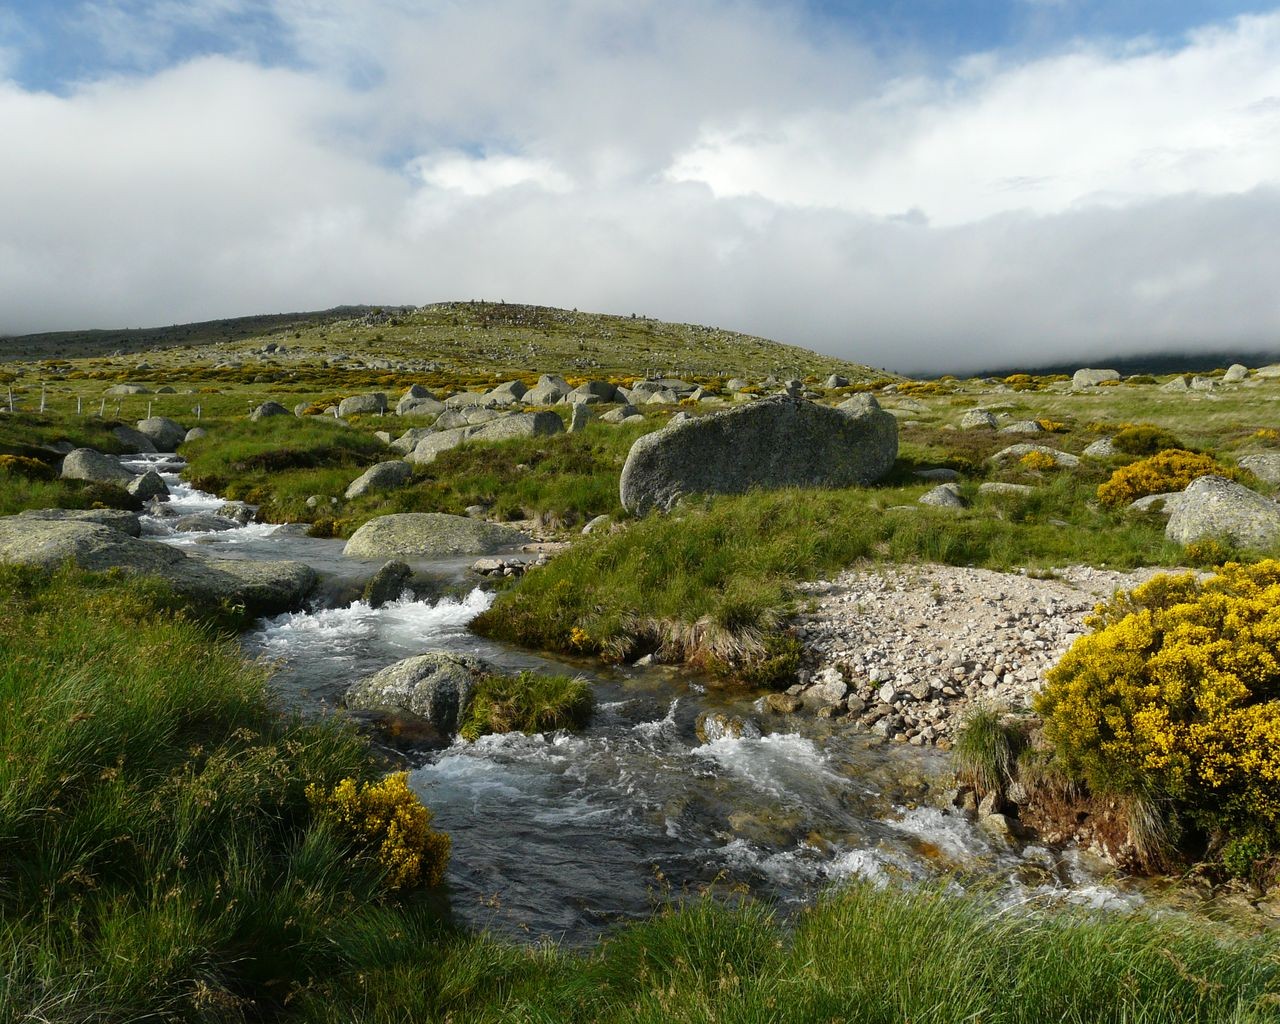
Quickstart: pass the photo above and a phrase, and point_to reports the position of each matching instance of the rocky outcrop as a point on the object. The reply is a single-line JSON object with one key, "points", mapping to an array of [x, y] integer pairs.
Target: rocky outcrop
{"points": [[428, 535], [87, 464], [433, 688], [117, 519], [385, 476], [776, 442], [262, 587], [1215, 508]]}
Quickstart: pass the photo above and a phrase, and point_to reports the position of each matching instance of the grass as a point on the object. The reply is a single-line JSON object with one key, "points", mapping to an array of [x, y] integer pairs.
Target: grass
{"points": [[529, 702], [986, 752], [711, 582]]}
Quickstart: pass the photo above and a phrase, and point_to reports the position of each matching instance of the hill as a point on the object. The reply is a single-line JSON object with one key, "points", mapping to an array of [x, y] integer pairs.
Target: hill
{"points": [[466, 337]]}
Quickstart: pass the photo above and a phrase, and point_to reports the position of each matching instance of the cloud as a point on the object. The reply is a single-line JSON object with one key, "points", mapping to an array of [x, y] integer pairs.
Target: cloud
{"points": [[708, 161]]}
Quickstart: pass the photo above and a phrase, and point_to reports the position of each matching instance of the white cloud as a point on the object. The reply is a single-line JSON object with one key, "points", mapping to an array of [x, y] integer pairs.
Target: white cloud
{"points": [[707, 161]]}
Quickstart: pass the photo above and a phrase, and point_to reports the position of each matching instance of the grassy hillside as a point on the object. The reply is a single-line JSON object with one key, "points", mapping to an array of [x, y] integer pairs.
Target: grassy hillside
{"points": [[461, 338]]}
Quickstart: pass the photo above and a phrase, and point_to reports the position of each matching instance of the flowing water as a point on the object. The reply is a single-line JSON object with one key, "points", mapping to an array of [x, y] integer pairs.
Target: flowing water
{"points": [[562, 835]]}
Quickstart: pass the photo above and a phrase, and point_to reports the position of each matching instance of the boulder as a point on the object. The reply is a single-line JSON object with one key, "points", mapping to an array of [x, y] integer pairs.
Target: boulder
{"points": [[204, 522], [195, 433], [434, 688], [428, 535], [387, 584], [1215, 508], [579, 417], [385, 476], [433, 444], [416, 391], [1087, 378], [134, 441], [525, 424], [1264, 465], [1177, 384], [117, 519], [237, 511], [716, 725], [1161, 504], [370, 404], [267, 409], [473, 417], [593, 392], [464, 399], [165, 433], [408, 441], [509, 393], [776, 442], [87, 464], [1017, 451], [1023, 427], [1103, 448], [978, 419], [262, 587], [1203, 384], [150, 485], [944, 496], [548, 391], [997, 488], [1236, 372], [619, 414], [1270, 372], [119, 390], [836, 381], [419, 407]]}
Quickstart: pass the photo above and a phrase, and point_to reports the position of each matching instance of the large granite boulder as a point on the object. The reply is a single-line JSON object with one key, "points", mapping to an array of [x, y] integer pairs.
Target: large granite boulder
{"points": [[776, 442], [978, 419], [1213, 507], [385, 476], [426, 450], [370, 404], [262, 587], [150, 485], [549, 390], [87, 464], [267, 410], [525, 424], [165, 434], [134, 441], [1236, 372], [408, 406], [428, 535], [1264, 465], [434, 688], [1087, 378]]}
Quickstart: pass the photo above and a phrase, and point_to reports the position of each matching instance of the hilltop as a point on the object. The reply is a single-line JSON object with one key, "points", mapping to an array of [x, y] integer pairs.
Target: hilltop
{"points": [[467, 338]]}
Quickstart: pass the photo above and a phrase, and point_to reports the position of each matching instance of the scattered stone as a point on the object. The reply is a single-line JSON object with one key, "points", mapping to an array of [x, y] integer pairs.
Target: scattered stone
{"points": [[1178, 383], [548, 391], [836, 381], [1023, 427], [133, 441], [620, 414], [428, 535], [268, 409], [120, 390], [370, 404], [944, 496], [1103, 448], [1163, 504], [385, 476], [1087, 378], [777, 442], [978, 419]]}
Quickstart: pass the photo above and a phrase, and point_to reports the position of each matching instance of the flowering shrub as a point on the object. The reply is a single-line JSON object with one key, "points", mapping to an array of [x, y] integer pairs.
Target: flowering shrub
{"points": [[1037, 461], [387, 821], [1177, 695], [1266, 434], [20, 465], [1167, 471], [1052, 426]]}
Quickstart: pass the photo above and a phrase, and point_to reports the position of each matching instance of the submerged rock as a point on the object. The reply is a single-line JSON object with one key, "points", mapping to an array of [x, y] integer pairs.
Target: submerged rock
{"points": [[387, 584], [428, 535], [776, 442], [716, 725]]}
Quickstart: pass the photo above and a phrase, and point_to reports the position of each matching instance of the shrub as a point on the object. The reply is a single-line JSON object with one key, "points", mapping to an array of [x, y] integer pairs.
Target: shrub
{"points": [[1266, 434], [387, 821], [1145, 439], [527, 702], [1176, 696], [1037, 461], [20, 465], [986, 752], [1052, 426], [1167, 471]]}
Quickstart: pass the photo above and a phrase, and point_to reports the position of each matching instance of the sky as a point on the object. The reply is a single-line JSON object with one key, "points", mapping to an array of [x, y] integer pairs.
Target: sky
{"points": [[925, 186]]}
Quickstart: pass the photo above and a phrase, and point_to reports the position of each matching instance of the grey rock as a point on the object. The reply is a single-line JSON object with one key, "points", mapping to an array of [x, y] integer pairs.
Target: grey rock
{"points": [[268, 409], [434, 688], [938, 475], [385, 476], [783, 703], [715, 725], [426, 450], [978, 419], [1203, 384], [237, 511], [509, 393], [370, 404], [619, 414], [524, 424], [579, 417], [999, 826], [599, 522], [1159, 503], [134, 441], [1270, 372], [468, 417], [1213, 507], [195, 433], [419, 407], [203, 522], [548, 391], [465, 399], [1087, 378], [416, 391], [1103, 448], [165, 434], [1236, 372], [87, 464], [593, 392], [836, 381], [408, 441], [262, 587], [1264, 465], [119, 390], [150, 485], [997, 488], [114, 518], [428, 535], [1177, 384], [944, 496], [1023, 427], [776, 442], [387, 584], [1017, 451]]}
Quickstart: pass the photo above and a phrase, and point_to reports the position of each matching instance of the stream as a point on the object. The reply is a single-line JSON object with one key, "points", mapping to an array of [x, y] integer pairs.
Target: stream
{"points": [[563, 836]]}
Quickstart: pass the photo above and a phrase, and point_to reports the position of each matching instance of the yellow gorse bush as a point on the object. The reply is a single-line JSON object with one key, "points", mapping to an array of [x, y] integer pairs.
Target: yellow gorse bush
{"points": [[1161, 473], [1037, 461], [1177, 694], [387, 821]]}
